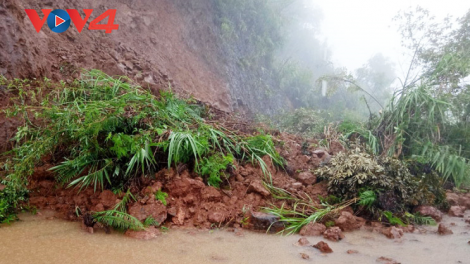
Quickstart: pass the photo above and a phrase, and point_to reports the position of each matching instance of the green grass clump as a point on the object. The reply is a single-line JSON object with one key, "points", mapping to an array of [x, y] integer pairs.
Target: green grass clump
{"points": [[161, 196], [214, 168]]}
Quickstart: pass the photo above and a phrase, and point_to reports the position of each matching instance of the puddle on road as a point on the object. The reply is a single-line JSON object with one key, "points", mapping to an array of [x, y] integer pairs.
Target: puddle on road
{"points": [[37, 240]]}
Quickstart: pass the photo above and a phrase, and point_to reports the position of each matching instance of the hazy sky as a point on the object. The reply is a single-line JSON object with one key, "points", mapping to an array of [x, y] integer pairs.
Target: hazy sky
{"points": [[358, 29]]}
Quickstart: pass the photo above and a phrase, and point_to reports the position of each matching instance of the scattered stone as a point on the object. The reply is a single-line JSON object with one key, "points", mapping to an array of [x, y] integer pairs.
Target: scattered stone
{"points": [[304, 256], [323, 247], [457, 211], [239, 232], [307, 178], [150, 233], [333, 234], [452, 198], [444, 230], [408, 228], [431, 211], [393, 232], [296, 185], [179, 217], [465, 201], [216, 217], [98, 208], [157, 211], [264, 221], [313, 229], [349, 222], [467, 221], [324, 156], [108, 198], [376, 227], [352, 252], [303, 242], [385, 260], [239, 178], [258, 187], [157, 186], [2, 187]]}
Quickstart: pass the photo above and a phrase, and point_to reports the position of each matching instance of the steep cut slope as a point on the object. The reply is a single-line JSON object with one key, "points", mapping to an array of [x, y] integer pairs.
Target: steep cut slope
{"points": [[158, 42]]}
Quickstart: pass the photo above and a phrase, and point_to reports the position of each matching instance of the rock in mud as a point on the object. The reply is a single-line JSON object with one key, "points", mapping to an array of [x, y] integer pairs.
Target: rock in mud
{"points": [[457, 211], [209, 193], [157, 211], [313, 229], [465, 201], [393, 232], [181, 187], [323, 155], [107, 198], [216, 217], [306, 178], [431, 211], [408, 228], [258, 187], [350, 252], [444, 230], [303, 242], [98, 208], [155, 187], [304, 256], [178, 215], [349, 222], [452, 198], [376, 227], [385, 260], [333, 234], [323, 247], [150, 233], [264, 221]]}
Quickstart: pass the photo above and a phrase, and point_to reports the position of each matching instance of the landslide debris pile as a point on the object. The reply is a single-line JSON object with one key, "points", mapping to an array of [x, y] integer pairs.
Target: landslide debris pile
{"points": [[105, 150]]}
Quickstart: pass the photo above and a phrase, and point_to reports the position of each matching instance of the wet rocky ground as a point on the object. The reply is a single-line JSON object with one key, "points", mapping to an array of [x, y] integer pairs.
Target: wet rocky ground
{"points": [[43, 238]]}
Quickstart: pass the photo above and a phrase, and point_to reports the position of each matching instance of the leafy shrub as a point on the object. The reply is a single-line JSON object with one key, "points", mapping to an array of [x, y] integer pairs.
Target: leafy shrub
{"points": [[390, 185], [348, 172]]}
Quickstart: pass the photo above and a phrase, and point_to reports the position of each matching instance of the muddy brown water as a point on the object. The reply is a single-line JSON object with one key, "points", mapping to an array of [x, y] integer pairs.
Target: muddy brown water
{"points": [[37, 240]]}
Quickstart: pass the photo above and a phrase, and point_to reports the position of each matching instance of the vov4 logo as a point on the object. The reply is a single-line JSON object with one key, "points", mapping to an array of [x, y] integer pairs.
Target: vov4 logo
{"points": [[59, 20]]}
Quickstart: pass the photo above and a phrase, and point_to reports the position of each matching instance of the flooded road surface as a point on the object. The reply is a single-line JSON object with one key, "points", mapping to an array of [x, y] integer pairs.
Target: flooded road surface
{"points": [[36, 240]]}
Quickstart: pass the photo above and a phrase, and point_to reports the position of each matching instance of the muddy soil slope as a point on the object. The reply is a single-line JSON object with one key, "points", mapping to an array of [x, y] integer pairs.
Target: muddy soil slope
{"points": [[159, 42]]}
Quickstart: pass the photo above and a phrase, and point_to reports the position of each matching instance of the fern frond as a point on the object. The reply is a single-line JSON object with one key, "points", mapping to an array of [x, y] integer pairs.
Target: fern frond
{"points": [[118, 220]]}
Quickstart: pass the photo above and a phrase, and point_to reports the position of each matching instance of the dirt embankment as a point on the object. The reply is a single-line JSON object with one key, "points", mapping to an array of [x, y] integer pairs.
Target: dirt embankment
{"points": [[158, 43]]}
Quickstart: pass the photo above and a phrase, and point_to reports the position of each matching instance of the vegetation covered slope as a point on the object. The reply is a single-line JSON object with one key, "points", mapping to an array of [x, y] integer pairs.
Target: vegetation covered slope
{"points": [[106, 133]]}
